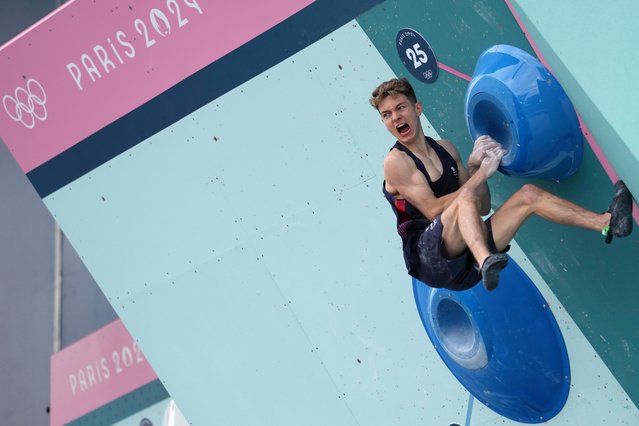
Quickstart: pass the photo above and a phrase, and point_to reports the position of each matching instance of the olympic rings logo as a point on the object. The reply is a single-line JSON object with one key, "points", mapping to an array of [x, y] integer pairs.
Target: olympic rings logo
{"points": [[27, 105]]}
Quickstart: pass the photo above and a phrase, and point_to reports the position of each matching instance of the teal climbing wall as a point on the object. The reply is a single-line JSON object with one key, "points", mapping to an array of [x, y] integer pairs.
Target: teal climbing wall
{"points": [[594, 282]]}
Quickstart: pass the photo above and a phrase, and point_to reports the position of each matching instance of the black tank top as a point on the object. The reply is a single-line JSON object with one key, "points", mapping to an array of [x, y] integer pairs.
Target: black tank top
{"points": [[410, 221]]}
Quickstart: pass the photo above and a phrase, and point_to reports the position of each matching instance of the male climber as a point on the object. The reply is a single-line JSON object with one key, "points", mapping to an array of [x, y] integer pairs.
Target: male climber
{"points": [[439, 203]]}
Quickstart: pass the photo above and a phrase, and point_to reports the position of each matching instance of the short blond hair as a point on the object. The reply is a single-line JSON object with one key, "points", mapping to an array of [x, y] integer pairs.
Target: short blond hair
{"points": [[396, 86]]}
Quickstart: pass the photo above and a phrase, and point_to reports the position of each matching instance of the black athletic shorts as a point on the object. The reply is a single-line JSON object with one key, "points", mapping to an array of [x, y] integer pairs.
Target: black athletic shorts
{"points": [[437, 270]]}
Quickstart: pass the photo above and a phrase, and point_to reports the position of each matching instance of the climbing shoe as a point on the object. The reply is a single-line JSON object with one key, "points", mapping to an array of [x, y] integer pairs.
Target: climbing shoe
{"points": [[491, 268], [620, 213]]}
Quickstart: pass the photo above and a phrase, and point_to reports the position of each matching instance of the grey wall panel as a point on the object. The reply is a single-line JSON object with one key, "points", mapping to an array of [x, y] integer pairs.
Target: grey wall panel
{"points": [[84, 307], [26, 298], [18, 15]]}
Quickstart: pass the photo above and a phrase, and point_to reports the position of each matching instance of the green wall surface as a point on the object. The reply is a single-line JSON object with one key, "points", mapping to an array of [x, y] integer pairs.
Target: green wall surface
{"points": [[596, 283]]}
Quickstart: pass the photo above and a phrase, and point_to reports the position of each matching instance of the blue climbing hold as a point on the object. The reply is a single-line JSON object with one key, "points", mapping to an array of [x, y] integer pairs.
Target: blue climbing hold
{"points": [[513, 98], [504, 346]]}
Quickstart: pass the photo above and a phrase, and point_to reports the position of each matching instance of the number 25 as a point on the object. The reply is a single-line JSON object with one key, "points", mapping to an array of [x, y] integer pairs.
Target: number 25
{"points": [[417, 55]]}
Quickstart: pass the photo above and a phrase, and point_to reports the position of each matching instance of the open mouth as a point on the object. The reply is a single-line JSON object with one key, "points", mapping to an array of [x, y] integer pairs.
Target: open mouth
{"points": [[403, 129]]}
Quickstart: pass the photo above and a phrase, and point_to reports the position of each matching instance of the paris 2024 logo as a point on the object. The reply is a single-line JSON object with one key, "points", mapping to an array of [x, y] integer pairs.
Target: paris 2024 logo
{"points": [[27, 105]]}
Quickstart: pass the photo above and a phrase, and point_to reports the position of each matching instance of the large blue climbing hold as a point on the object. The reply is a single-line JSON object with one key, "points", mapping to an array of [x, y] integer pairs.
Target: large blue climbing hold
{"points": [[513, 98], [505, 346]]}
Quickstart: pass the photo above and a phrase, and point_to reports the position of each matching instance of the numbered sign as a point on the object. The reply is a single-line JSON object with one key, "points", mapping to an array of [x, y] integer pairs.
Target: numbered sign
{"points": [[416, 55]]}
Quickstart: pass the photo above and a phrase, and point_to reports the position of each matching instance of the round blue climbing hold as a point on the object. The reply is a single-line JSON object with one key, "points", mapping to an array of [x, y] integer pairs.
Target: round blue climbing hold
{"points": [[504, 346], [513, 98]]}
